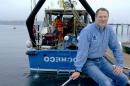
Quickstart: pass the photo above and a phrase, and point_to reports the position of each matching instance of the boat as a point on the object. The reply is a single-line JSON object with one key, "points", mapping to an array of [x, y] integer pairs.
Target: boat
{"points": [[126, 47], [14, 27], [45, 54]]}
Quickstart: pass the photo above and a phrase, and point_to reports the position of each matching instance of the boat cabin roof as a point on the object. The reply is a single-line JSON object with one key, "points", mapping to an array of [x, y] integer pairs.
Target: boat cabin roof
{"points": [[64, 12]]}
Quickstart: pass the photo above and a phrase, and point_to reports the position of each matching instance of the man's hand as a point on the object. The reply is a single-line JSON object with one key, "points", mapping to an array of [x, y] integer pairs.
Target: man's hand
{"points": [[117, 70], [75, 75]]}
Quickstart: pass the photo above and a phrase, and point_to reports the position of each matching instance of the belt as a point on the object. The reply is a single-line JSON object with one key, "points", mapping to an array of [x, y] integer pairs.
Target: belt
{"points": [[94, 59]]}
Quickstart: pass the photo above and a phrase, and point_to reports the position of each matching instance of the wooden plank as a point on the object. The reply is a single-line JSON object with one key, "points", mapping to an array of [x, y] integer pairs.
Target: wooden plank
{"points": [[110, 56]]}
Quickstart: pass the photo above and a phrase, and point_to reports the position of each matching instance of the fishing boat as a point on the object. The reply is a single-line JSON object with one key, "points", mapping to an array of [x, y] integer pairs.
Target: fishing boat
{"points": [[45, 54], [126, 47]]}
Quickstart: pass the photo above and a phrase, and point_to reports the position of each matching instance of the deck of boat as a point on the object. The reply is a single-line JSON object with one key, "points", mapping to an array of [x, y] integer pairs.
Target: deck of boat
{"points": [[110, 56], [127, 59]]}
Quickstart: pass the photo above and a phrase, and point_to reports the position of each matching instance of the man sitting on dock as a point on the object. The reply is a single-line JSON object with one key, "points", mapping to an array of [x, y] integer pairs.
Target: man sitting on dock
{"points": [[94, 40]]}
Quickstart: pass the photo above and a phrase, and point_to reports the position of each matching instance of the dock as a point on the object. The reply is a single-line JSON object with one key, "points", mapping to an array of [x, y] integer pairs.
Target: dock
{"points": [[123, 27]]}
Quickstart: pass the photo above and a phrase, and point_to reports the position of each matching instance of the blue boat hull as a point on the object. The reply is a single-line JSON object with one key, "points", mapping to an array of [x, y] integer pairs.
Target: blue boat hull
{"points": [[52, 60]]}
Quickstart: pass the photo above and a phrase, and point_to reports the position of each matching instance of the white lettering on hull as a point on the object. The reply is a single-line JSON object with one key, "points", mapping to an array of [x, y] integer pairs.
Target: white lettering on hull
{"points": [[58, 59]]}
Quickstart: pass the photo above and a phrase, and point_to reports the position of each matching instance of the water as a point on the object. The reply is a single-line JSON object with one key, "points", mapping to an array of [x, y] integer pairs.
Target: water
{"points": [[13, 61], [14, 66]]}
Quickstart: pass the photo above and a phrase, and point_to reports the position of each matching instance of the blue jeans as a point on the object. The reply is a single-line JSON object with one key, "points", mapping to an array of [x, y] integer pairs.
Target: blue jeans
{"points": [[101, 71]]}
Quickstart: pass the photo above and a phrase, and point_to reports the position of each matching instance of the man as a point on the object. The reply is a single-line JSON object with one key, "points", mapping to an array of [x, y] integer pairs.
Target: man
{"points": [[94, 40], [59, 26]]}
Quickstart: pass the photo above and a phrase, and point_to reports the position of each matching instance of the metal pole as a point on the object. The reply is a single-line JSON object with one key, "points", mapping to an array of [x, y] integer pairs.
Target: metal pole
{"points": [[66, 82]]}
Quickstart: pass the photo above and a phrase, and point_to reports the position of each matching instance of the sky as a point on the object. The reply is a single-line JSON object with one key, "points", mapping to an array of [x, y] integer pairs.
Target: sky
{"points": [[20, 9]]}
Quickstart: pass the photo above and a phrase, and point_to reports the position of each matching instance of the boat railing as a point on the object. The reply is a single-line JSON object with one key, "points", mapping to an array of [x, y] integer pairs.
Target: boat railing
{"points": [[121, 28]]}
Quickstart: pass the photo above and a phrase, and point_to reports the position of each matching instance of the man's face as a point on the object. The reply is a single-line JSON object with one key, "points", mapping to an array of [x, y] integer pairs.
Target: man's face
{"points": [[101, 19]]}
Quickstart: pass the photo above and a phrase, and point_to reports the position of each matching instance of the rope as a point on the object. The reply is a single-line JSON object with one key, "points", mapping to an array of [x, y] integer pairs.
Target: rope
{"points": [[75, 13], [76, 18]]}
